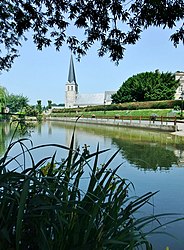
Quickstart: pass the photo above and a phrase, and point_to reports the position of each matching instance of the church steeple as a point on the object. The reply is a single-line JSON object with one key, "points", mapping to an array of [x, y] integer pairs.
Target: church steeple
{"points": [[71, 75], [71, 87]]}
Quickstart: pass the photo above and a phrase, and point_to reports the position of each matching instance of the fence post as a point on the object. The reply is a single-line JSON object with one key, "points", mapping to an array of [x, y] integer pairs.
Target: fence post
{"points": [[161, 120], [140, 118], [175, 121]]}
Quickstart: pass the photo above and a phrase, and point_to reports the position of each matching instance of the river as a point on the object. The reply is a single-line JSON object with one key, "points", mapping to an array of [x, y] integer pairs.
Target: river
{"points": [[152, 161]]}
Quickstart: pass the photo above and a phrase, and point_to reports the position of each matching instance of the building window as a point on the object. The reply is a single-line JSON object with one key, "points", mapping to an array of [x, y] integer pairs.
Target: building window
{"points": [[68, 88], [71, 88]]}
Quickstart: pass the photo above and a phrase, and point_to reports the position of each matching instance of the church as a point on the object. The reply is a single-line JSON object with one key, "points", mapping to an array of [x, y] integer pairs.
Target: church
{"points": [[74, 99]]}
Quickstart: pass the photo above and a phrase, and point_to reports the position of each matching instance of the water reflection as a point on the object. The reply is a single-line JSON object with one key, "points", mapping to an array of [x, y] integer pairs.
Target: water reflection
{"points": [[9, 131], [155, 153], [147, 156], [5, 135], [145, 150]]}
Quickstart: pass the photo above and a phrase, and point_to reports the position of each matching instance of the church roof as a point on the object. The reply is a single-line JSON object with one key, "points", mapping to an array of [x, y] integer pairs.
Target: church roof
{"points": [[71, 74], [90, 99]]}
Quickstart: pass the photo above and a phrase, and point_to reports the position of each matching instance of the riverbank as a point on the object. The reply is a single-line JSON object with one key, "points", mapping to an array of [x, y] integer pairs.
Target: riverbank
{"points": [[143, 124]]}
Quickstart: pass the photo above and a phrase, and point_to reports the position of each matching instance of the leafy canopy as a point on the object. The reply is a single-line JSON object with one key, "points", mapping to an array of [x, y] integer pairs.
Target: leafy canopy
{"points": [[16, 103], [113, 23], [147, 86]]}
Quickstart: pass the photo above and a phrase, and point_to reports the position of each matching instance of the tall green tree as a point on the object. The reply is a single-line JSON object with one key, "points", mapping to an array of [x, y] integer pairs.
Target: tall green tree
{"points": [[49, 106], [113, 23], [3, 98], [17, 103], [39, 106], [147, 86]]}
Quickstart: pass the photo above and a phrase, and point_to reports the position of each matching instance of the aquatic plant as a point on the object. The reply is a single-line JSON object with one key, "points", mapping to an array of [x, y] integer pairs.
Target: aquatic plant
{"points": [[71, 203]]}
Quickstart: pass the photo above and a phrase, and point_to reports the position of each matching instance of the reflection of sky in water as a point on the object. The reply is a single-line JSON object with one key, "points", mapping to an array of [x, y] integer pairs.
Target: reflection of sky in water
{"points": [[169, 181]]}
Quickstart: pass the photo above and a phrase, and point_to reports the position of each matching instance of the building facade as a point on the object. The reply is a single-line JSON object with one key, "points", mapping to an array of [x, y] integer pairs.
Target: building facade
{"points": [[179, 75], [74, 99]]}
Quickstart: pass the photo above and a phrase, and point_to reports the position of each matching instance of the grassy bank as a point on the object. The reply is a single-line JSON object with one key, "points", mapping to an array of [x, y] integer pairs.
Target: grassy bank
{"points": [[141, 112]]}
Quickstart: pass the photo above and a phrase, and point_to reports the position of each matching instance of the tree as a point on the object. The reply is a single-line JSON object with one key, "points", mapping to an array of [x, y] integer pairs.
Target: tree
{"points": [[49, 104], [148, 86], [17, 103], [3, 98], [113, 23], [39, 106], [30, 110]]}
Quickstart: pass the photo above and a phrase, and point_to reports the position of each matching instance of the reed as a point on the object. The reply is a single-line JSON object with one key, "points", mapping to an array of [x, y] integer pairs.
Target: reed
{"points": [[47, 204]]}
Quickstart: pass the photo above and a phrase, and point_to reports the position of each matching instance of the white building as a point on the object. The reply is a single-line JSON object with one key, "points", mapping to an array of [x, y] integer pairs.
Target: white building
{"points": [[179, 75], [74, 99]]}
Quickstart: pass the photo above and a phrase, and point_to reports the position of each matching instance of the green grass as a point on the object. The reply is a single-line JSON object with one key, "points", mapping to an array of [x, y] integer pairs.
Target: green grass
{"points": [[141, 112], [42, 204]]}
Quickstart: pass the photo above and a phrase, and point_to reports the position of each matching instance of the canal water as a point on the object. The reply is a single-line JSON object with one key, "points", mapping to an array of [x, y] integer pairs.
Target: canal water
{"points": [[152, 161]]}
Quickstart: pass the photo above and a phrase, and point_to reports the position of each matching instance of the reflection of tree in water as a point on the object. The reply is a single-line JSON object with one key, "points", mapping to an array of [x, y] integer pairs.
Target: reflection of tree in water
{"points": [[147, 156], [144, 149], [5, 135], [2, 140], [7, 131]]}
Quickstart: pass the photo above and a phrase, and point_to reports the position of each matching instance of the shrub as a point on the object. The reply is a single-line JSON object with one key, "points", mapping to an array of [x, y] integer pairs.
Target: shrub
{"points": [[123, 106]]}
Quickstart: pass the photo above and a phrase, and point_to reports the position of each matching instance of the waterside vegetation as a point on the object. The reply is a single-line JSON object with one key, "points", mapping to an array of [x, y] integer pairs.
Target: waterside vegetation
{"points": [[160, 108], [115, 113], [71, 202]]}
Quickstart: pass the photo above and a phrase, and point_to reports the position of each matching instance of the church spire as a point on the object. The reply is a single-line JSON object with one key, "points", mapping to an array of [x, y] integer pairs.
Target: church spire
{"points": [[71, 75], [71, 87]]}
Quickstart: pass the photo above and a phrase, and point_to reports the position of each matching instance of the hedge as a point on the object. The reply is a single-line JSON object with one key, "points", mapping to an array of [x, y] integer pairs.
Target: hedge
{"points": [[166, 104]]}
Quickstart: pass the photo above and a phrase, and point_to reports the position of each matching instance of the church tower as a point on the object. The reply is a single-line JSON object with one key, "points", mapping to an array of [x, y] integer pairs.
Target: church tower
{"points": [[71, 87]]}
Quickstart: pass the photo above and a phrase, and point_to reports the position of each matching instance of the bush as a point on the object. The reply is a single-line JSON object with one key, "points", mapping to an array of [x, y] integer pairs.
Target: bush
{"points": [[30, 111], [123, 106], [43, 206]]}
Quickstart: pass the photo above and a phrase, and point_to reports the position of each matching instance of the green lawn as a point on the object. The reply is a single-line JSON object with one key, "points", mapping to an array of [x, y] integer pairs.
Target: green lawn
{"points": [[141, 112]]}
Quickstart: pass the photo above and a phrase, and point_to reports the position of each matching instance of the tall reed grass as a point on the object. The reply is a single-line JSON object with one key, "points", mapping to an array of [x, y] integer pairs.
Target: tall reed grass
{"points": [[43, 206]]}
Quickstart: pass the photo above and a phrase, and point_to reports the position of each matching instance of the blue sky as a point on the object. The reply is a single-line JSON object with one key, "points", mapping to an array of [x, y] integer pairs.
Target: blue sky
{"points": [[41, 75]]}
